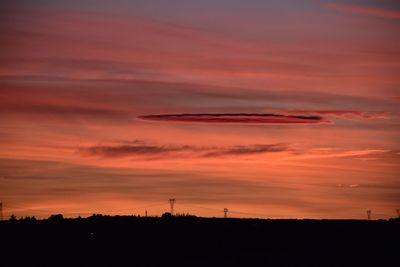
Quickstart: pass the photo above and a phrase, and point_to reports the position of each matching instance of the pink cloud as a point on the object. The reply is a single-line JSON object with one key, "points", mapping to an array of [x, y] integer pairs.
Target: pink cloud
{"points": [[348, 114], [365, 10]]}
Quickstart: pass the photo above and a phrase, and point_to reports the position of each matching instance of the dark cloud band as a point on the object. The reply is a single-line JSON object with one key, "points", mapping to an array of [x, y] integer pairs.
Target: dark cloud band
{"points": [[241, 118], [151, 151]]}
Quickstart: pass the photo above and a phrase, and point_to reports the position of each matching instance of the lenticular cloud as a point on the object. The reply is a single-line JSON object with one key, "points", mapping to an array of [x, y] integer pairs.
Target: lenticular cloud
{"points": [[240, 118]]}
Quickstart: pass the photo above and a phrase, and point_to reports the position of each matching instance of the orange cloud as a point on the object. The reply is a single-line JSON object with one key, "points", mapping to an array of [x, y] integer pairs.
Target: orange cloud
{"points": [[320, 153]]}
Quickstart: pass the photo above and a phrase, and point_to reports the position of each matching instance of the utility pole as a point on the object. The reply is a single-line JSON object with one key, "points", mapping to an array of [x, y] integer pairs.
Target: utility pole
{"points": [[146, 213], [225, 213], [1, 211], [172, 202], [369, 215]]}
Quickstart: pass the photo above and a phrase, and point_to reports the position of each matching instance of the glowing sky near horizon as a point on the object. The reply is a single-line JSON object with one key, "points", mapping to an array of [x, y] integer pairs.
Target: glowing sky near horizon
{"points": [[274, 109]]}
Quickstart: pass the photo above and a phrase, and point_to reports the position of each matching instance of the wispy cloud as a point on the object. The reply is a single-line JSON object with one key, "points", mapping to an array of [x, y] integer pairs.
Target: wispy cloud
{"points": [[140, 149], [90, 185], [66, 113], [134, 150], [347, 114], [348, 185], [240, 118], [319, 153], [248, 150], [149, 151], [366, 10]]}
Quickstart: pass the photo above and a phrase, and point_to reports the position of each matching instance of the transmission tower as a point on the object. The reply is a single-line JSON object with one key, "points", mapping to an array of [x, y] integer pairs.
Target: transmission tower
{"points": [[225, 213], [172, 202], [369, 215], [1, 211]]}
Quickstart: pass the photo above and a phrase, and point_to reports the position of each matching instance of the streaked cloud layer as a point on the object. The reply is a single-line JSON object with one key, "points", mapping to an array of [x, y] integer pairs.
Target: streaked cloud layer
{"points": [[243, 118], [367, 10], [140, 149], [279, 108]]}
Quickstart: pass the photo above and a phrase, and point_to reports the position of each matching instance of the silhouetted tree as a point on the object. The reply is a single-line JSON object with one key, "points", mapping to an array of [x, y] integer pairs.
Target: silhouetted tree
{"points": [[56, 217], [96, 216], [27, 218], [166, 215], [13, 218]]}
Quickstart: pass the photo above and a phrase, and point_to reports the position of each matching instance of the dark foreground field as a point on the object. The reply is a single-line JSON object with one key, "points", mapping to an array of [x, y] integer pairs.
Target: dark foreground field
{"points": [[186, 241]]}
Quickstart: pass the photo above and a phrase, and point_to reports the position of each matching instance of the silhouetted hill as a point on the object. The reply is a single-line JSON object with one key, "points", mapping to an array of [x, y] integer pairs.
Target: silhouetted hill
{"points": [[192, 241]]}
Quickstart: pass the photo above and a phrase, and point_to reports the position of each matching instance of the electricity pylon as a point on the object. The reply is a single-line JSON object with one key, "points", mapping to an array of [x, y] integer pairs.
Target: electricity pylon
{"points": [[225, 213], [172, 202]]}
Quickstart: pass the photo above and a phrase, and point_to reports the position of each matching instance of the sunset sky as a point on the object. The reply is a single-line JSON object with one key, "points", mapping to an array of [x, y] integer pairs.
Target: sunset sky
{"points": [[272, 109]]}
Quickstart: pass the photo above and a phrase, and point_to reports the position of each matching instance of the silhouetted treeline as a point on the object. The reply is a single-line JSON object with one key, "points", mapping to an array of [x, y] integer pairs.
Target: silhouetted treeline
{"points": [[188, 240]]}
